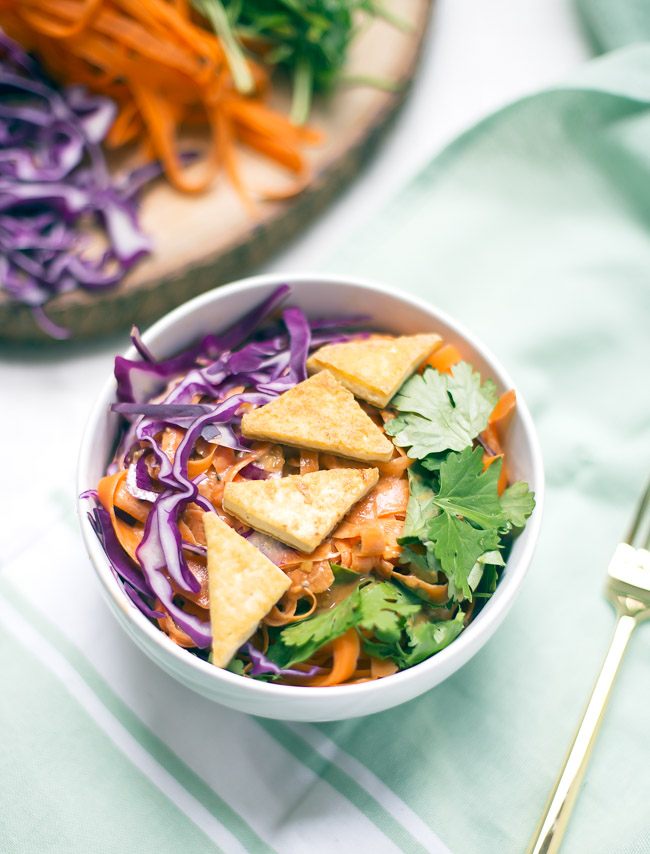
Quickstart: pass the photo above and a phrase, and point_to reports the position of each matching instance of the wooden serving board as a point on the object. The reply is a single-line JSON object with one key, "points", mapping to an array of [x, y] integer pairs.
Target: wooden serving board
{"points": [[207, 240]]}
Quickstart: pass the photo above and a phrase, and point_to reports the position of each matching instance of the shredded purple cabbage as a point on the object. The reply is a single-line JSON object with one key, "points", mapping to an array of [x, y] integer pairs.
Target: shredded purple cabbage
{"points": [[263, 665], [54, 181], [265, 362]]}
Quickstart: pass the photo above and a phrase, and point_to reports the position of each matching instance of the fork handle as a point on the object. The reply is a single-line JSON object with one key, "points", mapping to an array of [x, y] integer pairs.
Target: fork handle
{"points": [[551, 827]]}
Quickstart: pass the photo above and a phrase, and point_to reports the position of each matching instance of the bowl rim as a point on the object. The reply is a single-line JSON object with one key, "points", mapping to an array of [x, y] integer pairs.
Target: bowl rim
{"points": [[461, 648]]}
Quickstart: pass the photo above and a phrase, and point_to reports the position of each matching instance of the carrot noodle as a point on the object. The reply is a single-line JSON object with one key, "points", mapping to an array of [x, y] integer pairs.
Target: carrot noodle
{"points": [[167, 72], [444, 358], [504, 410], [308, 461], [345, 652], [380, 667], [493, 434], [365, 541]]}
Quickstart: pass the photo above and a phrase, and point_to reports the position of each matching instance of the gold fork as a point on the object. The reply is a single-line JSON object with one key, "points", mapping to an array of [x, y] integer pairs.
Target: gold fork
{"points": [[628, 589]]}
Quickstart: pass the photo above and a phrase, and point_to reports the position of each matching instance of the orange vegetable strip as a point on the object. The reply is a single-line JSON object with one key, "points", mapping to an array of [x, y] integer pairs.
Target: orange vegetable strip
{"points": [[123, 499], [85, 18], [261, 119], [169, 627], [197, 467], [502, 483], [391, 495], [491, 438], [345, 651], [396, 466], [160, 124], [373, 541], [132, 34], [382, 667], [249, 458], [444, 358], [505, 407], [165, 70], [273, 148], [128, 537], [171, 439]]}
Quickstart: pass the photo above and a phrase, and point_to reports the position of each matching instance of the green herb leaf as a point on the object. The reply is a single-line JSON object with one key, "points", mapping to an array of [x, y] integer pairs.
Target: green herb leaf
{"points": [[468, 491], [493, 558], [420, 508], [458, 546], [343, 573], [384, 609], [442, 412], [432, 462], [471, 519], [298, 641], [517, 503], [425, 565], [425, 639], [236, 665]]}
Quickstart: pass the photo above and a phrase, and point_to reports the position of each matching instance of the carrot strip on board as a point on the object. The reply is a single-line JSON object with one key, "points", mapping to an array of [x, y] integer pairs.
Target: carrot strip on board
{"points": [[166, 70], [88, 13]]}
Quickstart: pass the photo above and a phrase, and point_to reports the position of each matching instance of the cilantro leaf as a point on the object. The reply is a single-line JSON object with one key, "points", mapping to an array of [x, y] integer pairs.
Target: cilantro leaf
{"points": [[466, 490], [384, 608], [236, 666], [420, 508], [442, 411], [298, 641], [343, 573], [517, 503], [458, 546], [493, 558], [426, 566], [471, 519], [425, 639], [432, 462]]}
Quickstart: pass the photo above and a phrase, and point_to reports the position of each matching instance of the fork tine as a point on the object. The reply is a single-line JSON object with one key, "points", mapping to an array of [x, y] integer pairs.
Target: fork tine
{"points": [[635, 534]]}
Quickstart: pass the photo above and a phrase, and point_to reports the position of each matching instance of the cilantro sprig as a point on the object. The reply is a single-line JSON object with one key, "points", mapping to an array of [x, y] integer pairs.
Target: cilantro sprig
{"points": [[391, 622], [456, 514], [441, 412]]}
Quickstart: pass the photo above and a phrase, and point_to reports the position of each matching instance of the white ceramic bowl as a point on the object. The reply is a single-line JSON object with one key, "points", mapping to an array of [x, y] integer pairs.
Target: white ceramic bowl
{"points": [[394, 312]]}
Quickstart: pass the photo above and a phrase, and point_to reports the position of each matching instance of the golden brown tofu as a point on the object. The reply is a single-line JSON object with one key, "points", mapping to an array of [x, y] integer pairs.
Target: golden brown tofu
{"points": [[243, 585], [374, 368], [299, 510], [321, 415]]}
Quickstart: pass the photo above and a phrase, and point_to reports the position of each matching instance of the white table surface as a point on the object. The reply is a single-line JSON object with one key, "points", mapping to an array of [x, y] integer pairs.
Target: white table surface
{"points": [[478, 57]]}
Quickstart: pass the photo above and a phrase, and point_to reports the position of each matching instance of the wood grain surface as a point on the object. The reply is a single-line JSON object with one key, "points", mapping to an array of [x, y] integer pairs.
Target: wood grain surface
{"points": [[204, 241]]}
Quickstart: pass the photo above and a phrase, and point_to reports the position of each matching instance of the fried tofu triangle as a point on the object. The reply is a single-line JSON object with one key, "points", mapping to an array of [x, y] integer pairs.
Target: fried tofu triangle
{"points": [[243, 585], [302, 509], [374, 368], [321, 415]]}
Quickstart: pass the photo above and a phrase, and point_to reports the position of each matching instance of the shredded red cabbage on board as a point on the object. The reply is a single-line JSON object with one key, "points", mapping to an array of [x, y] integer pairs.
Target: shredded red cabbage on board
{"points": [[55, 185], [263, 354]]}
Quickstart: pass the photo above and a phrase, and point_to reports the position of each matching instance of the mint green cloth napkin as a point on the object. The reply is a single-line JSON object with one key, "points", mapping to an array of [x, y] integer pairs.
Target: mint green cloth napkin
{"points": [[533, 229], [615, 23]]}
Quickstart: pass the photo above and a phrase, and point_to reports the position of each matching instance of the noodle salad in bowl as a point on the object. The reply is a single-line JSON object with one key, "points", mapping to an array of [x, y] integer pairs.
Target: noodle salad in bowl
{"points": [[306, 499]]}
